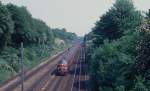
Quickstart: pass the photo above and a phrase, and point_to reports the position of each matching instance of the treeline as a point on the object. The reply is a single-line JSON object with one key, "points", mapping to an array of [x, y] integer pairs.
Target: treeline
{"points": [[17, 25], [118, 49], [40, 41], [66, 36]]}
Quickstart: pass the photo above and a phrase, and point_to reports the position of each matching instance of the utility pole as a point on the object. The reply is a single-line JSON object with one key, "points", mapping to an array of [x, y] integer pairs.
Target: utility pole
{"points": [[22, 67]]}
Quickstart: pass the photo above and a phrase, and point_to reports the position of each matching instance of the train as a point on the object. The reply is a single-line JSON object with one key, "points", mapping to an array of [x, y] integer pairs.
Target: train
{"points": [[68, 59], [62, 67]]}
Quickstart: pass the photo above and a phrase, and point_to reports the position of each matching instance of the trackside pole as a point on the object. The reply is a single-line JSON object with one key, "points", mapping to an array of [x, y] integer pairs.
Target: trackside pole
{"points": [[22, 67]]}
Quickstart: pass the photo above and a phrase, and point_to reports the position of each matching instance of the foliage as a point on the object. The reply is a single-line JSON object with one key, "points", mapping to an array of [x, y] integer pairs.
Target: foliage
{"points": [[28, 29], [6, 26], [118, 50], [112, 60], [120, 18], [63, 34], [139, 85]]}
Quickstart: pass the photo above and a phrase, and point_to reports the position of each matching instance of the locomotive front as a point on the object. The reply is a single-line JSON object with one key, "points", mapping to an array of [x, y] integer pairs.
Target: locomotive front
{"points": [[62, 67]]}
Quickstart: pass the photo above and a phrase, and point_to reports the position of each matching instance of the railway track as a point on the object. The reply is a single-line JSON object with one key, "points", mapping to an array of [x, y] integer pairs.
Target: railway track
{"points": [[80, 79], [43, 78], [52, 82], [75, 81], [14, 82]]}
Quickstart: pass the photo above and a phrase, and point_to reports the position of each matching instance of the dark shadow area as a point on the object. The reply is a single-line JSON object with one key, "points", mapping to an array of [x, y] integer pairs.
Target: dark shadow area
{"points": [[54, 72], [76, 85], [72, 71], [83, 84]]}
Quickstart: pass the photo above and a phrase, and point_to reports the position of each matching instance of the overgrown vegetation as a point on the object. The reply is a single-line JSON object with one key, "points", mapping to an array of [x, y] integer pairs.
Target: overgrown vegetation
{"points": [[40, 41], [118, 49]]}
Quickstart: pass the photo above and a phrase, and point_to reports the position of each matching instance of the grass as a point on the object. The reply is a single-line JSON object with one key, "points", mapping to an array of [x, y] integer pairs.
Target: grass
{"points": [[9, 66]]}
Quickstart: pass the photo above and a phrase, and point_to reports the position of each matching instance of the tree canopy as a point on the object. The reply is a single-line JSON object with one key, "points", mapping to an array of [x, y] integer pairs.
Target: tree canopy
{"points": [[118, 50], [121, 18], [6, 26]]}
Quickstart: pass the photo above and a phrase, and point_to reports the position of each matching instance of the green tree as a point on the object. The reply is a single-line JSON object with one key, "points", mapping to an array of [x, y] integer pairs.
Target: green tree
{"points": [[22, 24], [63, 34], [6, 26], [139, 85], [115, 43], [122, 17]]}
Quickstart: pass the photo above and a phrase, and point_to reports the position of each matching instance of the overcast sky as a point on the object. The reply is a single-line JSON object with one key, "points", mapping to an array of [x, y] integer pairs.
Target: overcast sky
{"points": [[76, 16]]}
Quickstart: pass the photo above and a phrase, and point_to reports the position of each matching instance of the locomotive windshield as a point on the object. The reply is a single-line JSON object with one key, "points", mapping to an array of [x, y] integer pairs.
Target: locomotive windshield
{"points": [[63, 61]]}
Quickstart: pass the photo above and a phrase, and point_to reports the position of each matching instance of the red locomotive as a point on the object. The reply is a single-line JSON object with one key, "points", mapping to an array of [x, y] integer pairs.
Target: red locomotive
{"points": [[63, 67]]}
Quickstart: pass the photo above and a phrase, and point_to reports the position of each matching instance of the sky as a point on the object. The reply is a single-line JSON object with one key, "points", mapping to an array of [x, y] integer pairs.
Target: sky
{"points": [[78, 16]]}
